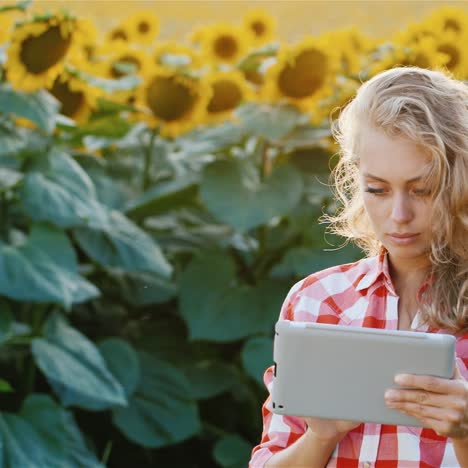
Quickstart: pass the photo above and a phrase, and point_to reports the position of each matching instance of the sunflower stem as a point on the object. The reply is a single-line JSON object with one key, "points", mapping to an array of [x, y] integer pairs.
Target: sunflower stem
{"points": [[148, 160], [4, 219]]}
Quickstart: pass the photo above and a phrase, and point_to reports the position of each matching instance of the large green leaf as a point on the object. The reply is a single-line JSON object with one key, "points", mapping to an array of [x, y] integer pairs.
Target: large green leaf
{"points": [[39, 107], [303, 261], [257, 355], [232, 451], [58, 190], [161, 411], [235, 194], [43, 269], [217, 307], [74, 367], [163, 197], [122, 360], [209, 139], [115, 241], [271, 121], [142, 288], [43, 435], [210, 378]]}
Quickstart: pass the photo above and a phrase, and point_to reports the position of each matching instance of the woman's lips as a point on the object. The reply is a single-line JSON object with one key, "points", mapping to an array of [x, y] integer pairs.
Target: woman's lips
{"points": [[403, 239]]}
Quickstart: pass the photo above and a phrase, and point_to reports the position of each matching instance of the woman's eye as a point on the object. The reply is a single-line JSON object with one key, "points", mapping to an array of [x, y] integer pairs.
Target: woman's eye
{"points": [[421, 192], [375, 191]]}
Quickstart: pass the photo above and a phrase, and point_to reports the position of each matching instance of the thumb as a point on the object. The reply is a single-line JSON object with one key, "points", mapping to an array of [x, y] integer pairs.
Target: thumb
{"points": [[457, 369]]}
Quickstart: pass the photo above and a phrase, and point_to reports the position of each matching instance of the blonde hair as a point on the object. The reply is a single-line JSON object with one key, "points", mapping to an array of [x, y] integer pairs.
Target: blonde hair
{"points": [[431, 109]]}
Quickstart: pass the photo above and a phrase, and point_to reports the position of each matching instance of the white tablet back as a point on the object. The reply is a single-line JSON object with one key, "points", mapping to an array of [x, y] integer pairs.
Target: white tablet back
{"points": [[341, 372]]}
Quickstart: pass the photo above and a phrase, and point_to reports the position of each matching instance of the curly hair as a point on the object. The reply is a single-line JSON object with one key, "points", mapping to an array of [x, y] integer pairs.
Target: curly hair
{"points": [[430, 108]]}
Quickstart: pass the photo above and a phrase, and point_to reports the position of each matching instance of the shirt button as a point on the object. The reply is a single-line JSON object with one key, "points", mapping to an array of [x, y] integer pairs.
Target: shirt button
{"points": [[367, 465]]}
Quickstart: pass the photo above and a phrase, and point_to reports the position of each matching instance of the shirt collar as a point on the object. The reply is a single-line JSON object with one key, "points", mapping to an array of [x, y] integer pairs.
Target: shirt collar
{"points": [[377, 269]]}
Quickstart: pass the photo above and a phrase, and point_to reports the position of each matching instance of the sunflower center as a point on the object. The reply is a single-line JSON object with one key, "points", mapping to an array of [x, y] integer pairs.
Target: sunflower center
{"points": [[452, 52], [169, 99], [225, 46], [451, 24], [42, 52], [226, 96], [119, 34], [116, 72], [258, 28], [419, 60], [143, 27], [72, 101], [304, 76]]}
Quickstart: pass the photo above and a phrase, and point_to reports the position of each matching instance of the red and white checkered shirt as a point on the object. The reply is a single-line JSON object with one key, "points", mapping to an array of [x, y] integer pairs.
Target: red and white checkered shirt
{"points": [[357, 294]]}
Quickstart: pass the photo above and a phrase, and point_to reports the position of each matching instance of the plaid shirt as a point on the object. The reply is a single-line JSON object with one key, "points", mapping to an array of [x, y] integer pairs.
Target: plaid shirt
{"points": [[357, 294]]}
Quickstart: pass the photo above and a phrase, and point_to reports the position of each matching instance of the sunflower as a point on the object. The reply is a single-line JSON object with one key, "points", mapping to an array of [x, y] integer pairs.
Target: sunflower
{"points": [[228, 89], [352, 47], [450, 19], [174, 54], [76, 97], [422, 53], [223, 43], [303, 73], [175, 102], [331, 106], [142, 27], [452, 45], [7, 20], [125, 60], [261, 25], [38, 50], [119, 34]]}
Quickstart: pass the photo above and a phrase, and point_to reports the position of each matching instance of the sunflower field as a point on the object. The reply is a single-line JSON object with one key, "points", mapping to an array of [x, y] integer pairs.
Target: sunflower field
{"points": [[157, 201]]}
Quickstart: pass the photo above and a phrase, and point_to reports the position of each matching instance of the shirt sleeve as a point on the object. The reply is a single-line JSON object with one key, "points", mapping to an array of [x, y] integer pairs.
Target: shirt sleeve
{"points": [[279, 431]]}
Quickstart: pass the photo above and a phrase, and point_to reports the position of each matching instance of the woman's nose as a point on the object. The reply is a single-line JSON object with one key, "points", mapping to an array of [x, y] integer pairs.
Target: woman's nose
{"points": [[402, 211]]}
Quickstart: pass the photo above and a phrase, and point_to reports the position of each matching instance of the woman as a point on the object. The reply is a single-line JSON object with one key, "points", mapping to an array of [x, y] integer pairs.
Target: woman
{"points": [[403, 183]]}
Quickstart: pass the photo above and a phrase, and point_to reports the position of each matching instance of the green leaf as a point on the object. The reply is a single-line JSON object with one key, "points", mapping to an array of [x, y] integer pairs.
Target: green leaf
{"points": [[6, 321], [232, 451], [210, 378], [142, 288], [58, 190], [216, 306], [107, 126], [74, 367], [9, 178], [43, 435], [5, 386], [30, 273], [210, 139], [39, 107], [122, 360], [234, 193], [35, 438], [163, 197], [303, 261], [108, 85], [16, 6], [113, 240], [161, 411], [256, 356], [270, 121]]}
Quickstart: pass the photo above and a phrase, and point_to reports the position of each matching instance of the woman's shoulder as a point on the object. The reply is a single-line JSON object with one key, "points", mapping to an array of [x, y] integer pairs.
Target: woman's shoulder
{"points": [[338, 276], [318, 289]]}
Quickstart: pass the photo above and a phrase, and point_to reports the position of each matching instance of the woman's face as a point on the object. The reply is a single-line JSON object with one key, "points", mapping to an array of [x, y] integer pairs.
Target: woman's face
{"points": [[395, 196]]}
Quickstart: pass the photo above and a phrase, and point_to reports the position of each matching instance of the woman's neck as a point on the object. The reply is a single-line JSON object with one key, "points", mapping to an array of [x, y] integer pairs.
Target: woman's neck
{"points": [[407, 276]]}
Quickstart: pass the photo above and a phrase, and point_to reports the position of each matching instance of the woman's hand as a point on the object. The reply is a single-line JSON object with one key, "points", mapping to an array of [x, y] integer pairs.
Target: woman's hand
{"points": [[329, 429], [440, 404]]}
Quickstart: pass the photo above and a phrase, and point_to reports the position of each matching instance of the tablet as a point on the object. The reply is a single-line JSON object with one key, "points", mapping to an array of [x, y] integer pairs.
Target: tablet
{"points": [[342, 372]]}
